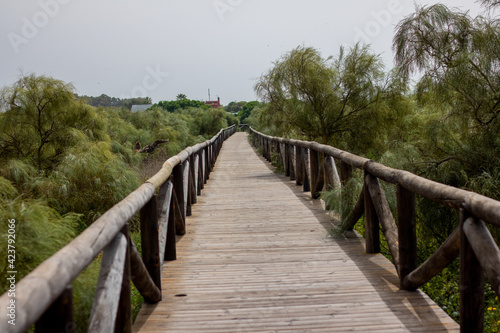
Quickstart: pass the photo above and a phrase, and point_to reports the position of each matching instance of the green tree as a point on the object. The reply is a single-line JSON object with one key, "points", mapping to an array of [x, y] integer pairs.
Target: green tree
{"points": [[324, 99], [458, 56], [181, 97], [234, 107], [173, 106], [42, 119], [246, 110]]}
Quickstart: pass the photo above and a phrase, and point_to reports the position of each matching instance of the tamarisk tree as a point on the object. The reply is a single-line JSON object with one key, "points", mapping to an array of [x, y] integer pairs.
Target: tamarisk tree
{"points": [[458, 58], [328, 99]]}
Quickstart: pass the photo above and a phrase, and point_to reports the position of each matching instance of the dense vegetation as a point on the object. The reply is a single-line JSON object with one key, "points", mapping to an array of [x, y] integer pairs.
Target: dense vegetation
{"points": [[63, 163], [107, 101], [445, 129]]}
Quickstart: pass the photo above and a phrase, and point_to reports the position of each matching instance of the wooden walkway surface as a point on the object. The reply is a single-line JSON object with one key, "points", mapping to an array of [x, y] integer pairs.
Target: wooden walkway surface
{"points": [[257, 257]]}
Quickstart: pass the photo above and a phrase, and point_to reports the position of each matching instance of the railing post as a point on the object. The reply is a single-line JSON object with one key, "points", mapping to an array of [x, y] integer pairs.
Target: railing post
{"points": [[471, 285], [372, 236], [317, 173], [306, 170], [194, 178], [407, 235], [299, 170], [208, 168], [200, 172], [185, 182], [123, 322], [60, 316], [265, 149], [149, 240], [287, 159], [170, 245], [189, 186], [178, 175], [291, 166], [314, 169]]}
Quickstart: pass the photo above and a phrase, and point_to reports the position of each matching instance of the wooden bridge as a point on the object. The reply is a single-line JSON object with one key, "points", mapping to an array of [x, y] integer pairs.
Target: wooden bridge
{"points": [[253, 253], [257, 257]]}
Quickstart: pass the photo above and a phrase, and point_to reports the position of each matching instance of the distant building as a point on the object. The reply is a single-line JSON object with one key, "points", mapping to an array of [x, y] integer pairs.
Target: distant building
{"points": [[143, 107], [214, 104]]}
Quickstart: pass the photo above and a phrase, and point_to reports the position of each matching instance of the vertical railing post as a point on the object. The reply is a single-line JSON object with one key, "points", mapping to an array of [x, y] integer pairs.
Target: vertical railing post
{"points": [[291, 160], [194, 178], [407, 233], [170, 244], [287, 159], [178, 175], [299, 170], [278, 151], [306, 170], [149, 240], [185, 182], [372, 234], [314, 166], [199, 157], [471, 285], [266, 149], [60, 316], [123, 322]]}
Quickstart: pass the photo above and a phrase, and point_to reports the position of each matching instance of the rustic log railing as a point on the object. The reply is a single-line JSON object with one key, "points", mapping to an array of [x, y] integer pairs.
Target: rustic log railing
{"points": [[44, 297], [312, 165]]}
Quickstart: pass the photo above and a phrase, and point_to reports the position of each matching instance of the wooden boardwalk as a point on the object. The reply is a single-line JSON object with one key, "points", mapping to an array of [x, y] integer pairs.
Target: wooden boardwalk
{"points": [[257, 257]]}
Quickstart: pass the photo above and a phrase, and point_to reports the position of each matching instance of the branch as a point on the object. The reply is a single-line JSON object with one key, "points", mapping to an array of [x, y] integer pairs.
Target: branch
{"points": [[149, 148]]}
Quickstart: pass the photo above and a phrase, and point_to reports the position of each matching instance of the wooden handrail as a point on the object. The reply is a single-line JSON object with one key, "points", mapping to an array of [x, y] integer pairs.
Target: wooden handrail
{"points": [[479, 254], [41, 288]]}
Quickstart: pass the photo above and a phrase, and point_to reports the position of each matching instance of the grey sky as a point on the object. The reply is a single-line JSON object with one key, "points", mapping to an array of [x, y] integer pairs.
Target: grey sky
{"points": [[128, 48]]}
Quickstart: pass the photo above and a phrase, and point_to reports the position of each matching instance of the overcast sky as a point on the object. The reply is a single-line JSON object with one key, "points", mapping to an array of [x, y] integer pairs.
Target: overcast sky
{"points": [[160, 48]]}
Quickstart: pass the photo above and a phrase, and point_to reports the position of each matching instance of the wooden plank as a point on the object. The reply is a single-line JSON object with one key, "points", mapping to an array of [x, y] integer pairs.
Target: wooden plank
{"points": [[248, 263], [105, 307], [123, 321], [141, 278], [407, 235], [299, 166], [36, 291], [471, 283], [356, 213], [371, 222], [170, 244], [384, 215], [149, 240], [485, 249], [165, 201]]}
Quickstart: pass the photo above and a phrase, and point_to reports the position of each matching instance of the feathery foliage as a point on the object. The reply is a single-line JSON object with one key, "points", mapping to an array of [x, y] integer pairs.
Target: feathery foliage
{"points": [[42, 119], [335, 100]]}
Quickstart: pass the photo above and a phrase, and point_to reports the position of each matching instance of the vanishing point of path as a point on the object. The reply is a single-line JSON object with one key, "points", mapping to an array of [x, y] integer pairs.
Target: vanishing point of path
{"points": [[257, 257]]}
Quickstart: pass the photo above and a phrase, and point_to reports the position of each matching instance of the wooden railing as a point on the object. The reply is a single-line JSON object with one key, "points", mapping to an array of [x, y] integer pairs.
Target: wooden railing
{"points": [[312, 165], [44, 297]]}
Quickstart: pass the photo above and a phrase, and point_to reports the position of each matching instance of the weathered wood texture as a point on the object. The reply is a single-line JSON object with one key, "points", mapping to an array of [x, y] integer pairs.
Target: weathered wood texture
{"points": [[109, 286], [257, 258], [43, 286]]}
